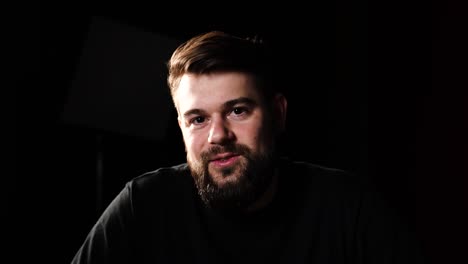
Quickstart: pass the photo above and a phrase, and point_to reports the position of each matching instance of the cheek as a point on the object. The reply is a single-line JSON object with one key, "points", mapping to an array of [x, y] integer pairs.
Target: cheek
{"points": [[193, 143], [253, 136]]}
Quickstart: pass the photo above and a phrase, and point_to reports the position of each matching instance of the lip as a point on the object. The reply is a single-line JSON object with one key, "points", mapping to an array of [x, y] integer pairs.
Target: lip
{"points": [[223, 156], [224, 160]]}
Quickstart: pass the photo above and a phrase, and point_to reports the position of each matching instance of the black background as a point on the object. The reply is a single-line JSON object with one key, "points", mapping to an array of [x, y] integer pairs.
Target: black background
{"points": [[374, 89]]}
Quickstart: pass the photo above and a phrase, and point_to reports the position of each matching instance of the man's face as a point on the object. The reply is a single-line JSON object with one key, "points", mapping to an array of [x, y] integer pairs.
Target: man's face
{"points": [[228, 134]]}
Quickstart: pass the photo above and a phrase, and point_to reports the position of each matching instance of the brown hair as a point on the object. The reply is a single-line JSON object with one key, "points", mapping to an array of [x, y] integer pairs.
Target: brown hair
{"points": [[218, 51]]}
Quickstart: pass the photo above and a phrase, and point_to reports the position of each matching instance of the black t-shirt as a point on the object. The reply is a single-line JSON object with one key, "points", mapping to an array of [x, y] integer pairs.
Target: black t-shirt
{"points": [[318, 215]]}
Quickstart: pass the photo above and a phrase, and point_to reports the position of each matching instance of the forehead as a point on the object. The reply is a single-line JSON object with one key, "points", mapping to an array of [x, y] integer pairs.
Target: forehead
{"points": [[205, 91]]}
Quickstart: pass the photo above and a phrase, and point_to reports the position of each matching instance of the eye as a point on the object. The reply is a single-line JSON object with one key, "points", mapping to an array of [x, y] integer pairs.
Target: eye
{"points": [[197, 120], [239, 113], [239, 110]]}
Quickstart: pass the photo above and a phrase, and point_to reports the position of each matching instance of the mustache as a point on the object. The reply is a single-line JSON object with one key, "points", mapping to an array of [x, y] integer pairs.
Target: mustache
{"points": [[234, 148]]}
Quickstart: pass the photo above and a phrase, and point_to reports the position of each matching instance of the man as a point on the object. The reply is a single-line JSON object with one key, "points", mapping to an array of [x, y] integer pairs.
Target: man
{"points": [[236, 200]]}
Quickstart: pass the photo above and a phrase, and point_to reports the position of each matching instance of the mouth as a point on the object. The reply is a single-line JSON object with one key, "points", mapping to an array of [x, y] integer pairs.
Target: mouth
{"points": [[225, 159]]}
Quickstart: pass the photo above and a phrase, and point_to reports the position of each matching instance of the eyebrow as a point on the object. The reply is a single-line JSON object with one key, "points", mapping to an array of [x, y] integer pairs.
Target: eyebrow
{"points": [[240, 100], [226, 105]]}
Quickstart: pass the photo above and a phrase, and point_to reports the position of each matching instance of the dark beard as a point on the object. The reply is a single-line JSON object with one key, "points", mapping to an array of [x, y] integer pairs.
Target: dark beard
{"points": [[255, 176]]}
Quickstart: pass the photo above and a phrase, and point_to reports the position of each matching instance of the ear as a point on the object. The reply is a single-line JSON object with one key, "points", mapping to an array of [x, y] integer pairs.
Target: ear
{"points": [[179, 121], [280, 108]]}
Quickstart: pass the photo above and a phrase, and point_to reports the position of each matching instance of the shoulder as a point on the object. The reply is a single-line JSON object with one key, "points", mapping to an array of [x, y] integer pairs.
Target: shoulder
{"points": [[162, 175], [316, 182], [162, 181], [311, 168], [305, 171]]}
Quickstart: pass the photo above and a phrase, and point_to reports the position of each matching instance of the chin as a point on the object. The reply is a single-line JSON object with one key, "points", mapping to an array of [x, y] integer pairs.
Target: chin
{"points": [[222, 180], [232, 185], [229, 174]]}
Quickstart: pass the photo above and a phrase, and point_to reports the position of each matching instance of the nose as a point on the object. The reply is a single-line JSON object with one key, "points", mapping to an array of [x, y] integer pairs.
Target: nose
{"points": [[219, 131]]}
